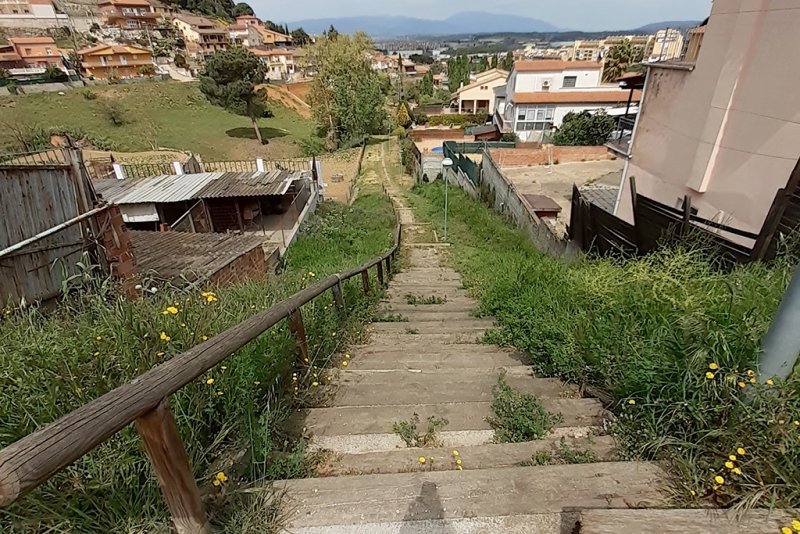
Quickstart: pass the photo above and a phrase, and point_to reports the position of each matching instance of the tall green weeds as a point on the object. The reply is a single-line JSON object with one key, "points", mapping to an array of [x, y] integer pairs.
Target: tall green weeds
{"points": [[234, 419], [672, 339]]}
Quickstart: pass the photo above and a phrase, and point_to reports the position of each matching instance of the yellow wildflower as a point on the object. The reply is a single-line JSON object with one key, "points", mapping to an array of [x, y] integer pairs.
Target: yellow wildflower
{"points": [[344, 364], [693, 493], [732, 457], [333, 334], [770, 382], [797, 423], [172, 309], [719, 480], [455, 453], [458, 462], [204, 338], [709, 375], [252, 306], [729, 465], [737, 471], [98, 338], [211, 298], [183, 325], [329, 378], [740, 451], [210, 381], [79, 390], [216, 482], [346, 355], [631, 401], [97, 353], [223, 367], [752, 380], [159, 354], [713, 366], [219, 393], [221, 477], [305, 360], [294, 379], [164, 336], [796, 525], [315, 384], [786, 530], [310, 273], [750, 372], [257, 382], [422, 459], [741, 384]]}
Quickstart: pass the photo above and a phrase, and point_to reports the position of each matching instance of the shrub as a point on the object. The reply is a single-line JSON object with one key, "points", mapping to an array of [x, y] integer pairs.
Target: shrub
{"points": [[584, 129], [458, 121], [518, 417], [180, 61], [420, 117], [509, 137], [88, 94], [147, 70], [113, 109]]}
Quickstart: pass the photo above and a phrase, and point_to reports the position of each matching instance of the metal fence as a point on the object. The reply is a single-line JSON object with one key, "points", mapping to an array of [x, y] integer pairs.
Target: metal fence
{"points": [[144, 170], [42, 157], [230, 166]]}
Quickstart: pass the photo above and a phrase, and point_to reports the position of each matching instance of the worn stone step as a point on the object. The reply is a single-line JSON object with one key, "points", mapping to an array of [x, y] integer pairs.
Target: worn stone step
{"points": [[444, 358], [697, 521], [490, 456], [403, 339], [436, 290], [379, 419], [464, 325], [440, 387], [553, 523], [416, 276], [432, 314], [454, 495], [464, 307]]}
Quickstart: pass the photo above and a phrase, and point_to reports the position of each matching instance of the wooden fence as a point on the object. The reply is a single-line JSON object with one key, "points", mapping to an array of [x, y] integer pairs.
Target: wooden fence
{"points": [[595, 230], [35, 458]]}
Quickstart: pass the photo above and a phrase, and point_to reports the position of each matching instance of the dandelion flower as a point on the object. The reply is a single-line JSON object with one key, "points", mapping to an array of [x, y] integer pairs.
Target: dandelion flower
{"points": [[172, 309], [216, 482], [252, 306], [455, 453], [732, 457], [96, 353], [741, 384], [315, 384], [333, 334], [210, 381], [305, 360], [709, 375], [631, 401], [693, 493], [752, 380], [344, 364], [458, 462], [329, 378], [223, 367], [315, 375], [163, 336], [221, 477], [796, 525], [159, 354], [98, 338], [294, 379], [347, 356], [786, 530], [422, 459], [257, 382], [750, 372], [719, 480], [740, 451], [729, 465], [737, 471], [219, 393], [713, 366], [183, 325], [204, 338], [797, 423], [770, 382]]}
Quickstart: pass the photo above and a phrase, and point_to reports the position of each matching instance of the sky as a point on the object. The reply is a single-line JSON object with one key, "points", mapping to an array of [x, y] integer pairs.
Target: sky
{"points": [[587, 15]]}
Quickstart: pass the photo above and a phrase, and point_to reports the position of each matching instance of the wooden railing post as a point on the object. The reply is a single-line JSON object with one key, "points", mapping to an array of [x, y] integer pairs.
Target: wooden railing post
{"points": [[298, 330], [365, 280], [163, 443], [380, 273], [338, 299], [389, 266]]}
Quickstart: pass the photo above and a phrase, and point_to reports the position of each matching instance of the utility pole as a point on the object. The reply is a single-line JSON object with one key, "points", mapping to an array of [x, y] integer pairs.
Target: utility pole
{"points": [[781, 345]]}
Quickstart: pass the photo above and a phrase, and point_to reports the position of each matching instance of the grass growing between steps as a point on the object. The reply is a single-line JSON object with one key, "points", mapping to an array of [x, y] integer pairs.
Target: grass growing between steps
{"points": [[519, 417], [233, 419], [411, 435], [671, 339]]}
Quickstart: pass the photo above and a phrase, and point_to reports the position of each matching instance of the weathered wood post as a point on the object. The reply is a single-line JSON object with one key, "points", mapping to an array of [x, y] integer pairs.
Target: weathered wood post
{"points": [[687, 214], [338, 299], [389, 266], [365, 280], [163, 443], [298, 330], [380, 273]]}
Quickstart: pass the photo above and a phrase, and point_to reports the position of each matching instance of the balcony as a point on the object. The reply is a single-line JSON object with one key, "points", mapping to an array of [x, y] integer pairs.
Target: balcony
{"points": [[620, 141]]}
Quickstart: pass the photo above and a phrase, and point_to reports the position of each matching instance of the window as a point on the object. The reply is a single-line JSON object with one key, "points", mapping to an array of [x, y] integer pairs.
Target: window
{"points": [[130, 23], [123, 60], [570, 81], [49, 52], [134, 56], [27, 51], [535, 118], [103, 60]]}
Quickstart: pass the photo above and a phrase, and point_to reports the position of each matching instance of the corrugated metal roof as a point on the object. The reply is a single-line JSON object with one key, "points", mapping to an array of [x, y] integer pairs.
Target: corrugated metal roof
{"points": [[177, 188], [250, 184], [196, 256]]}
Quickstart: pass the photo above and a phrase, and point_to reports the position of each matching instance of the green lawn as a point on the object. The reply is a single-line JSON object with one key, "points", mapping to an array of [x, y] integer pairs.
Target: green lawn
{"points": [[172, 114]]}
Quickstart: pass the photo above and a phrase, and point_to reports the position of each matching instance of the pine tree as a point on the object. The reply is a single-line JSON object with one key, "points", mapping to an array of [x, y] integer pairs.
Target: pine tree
{"points": [[508, 61]]}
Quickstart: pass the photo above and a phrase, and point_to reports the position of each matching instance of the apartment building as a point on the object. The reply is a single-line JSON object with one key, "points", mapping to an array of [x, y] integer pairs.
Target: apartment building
{"points": [[30, 14], [722, 129], [201, 35], [129, 14], [114, 61], [479, 96], [667, 45], [540, 93], [246, 32], [37, 52], [279, 63]]}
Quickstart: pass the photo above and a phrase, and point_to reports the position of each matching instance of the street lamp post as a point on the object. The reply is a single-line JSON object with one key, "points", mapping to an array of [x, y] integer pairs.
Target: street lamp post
{"points": [[447, 163]]}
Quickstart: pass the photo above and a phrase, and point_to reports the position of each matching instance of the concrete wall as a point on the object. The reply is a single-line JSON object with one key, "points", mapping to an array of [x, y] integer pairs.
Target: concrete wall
{"points": [[528, 82], [20, 21], [445, 134], [525, 157], [725, 133], [457, 177], [250, 266]]}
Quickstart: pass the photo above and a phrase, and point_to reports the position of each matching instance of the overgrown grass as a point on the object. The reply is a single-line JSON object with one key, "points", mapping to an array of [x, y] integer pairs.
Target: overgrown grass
{"points": [[167, 114], [647, 331], [234, 419], [411, 435], [519, 417]]}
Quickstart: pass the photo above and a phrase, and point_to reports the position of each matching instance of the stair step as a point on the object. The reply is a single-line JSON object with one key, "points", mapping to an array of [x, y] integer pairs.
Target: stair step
{"points": [[489, 456], [380, 341], [447, 357], [433, 314], [451, 495], [437, 290], [465, 307], [698, 521], [350, 420], [404, 387], [466, 325]]}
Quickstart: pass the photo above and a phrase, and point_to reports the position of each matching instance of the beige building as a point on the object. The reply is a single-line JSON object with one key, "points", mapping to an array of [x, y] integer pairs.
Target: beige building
{"points": [[479, 96], [202, 36], [30, 14], [585, 51], [667, 45], [723, 130], [279, 62]]}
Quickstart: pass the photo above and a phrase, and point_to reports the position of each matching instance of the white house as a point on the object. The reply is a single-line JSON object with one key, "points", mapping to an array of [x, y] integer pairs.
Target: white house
{"points": [[539, 93], [479, 96], [30, 14]]}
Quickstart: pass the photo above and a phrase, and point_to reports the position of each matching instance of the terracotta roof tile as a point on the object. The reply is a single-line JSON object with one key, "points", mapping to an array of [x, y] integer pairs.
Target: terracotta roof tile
{"points": [[543, 65]]}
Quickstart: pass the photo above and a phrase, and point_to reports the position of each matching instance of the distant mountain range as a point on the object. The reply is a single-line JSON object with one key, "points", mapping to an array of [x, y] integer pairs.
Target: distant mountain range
{"points": [[460, 23], [465, 23]]}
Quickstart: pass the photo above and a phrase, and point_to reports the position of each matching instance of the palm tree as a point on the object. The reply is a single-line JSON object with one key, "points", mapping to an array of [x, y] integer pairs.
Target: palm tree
{"points": [[620, 57]]}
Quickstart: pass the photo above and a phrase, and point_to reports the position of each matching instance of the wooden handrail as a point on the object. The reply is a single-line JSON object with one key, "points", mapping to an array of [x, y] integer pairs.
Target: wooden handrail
{"points": [[36, 457]]}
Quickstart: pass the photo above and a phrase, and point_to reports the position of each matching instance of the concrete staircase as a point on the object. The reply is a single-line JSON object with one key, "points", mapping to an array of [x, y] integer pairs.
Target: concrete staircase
{"points": [[430, 363]]}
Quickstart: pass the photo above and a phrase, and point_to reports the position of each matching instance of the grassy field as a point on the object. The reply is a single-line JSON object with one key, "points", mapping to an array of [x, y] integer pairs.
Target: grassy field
{"points": [[170, 114], [669, 339], [234, 419]]}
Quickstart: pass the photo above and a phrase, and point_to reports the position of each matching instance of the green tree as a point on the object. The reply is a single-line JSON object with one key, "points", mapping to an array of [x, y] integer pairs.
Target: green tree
{"points": [[180, 61], [403, 117], [147, 70], [508, 61], [495, 60], [483, 64], [300, 37], [331, 33], [242, 9], [620, 59], [53, 74], [229, 81], [458, 69], [426, 85], [584, 129], [345, 95]]}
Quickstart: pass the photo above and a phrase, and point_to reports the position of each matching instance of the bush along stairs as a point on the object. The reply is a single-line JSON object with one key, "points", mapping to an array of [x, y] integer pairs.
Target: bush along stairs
{"points": [[431, 431]]}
